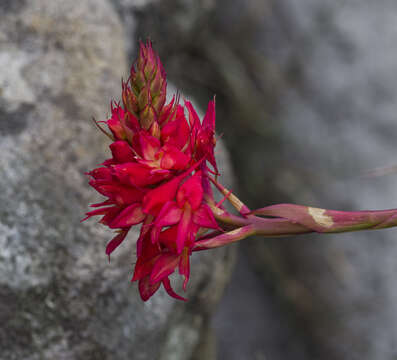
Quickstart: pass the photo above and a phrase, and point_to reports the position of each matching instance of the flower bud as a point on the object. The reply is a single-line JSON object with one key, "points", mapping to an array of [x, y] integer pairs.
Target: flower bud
{"points": [[144, 94], [147, 117], [129, 98]]}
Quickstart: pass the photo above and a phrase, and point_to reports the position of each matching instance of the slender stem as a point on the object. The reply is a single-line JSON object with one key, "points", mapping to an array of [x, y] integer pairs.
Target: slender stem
{"points": [[287, 220], [328, 221], [225, 239], [227, 218], [278, 227], [233, 199]]}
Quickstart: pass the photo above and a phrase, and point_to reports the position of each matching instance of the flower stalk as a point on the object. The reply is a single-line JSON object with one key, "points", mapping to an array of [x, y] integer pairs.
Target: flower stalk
{"points": [[159, 176]]}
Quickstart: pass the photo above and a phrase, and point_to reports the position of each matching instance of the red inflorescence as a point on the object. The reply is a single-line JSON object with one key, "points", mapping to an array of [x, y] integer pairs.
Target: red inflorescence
{"points": [[157, 175]]}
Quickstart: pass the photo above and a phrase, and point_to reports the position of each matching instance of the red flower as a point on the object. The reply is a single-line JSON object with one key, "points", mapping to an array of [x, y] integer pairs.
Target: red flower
{"points": [[188, 211], [203, 134], [156, 263], [153, 176], [158, 176]]}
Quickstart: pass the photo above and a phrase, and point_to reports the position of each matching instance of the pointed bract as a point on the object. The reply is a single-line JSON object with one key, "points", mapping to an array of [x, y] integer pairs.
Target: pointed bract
{"points": [[115, 242], [146, 288]]}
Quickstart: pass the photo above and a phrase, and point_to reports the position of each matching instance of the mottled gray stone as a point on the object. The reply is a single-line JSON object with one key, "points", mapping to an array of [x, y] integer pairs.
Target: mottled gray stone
{"points": [[59, 297]]}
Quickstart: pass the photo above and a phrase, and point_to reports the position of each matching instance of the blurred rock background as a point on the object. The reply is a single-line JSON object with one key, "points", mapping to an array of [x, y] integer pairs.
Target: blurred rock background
{"points": [[306, 96]]}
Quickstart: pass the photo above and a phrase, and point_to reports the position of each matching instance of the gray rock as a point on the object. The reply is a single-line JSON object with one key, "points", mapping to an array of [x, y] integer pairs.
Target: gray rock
{"points": [[59, 297]]}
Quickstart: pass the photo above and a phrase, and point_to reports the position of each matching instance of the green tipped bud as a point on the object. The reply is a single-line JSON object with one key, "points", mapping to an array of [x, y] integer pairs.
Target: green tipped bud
{"points": [[144, 94], [155, 130], [159, 102], [144, 99], [130, 100], [156, 84], [147, 117]]}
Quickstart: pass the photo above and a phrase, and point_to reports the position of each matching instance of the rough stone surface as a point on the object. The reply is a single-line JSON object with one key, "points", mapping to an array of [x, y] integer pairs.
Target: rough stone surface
{"points": [[59, 297]]}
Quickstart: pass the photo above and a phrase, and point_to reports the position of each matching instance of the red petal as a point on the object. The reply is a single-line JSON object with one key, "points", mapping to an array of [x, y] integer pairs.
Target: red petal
{"points": [[183, 230], [144, 236], [143, 267], [170, 291], [102, 173], [131, 215], [137, 174], [130, 125], [177, 131], [147, 253], [168, 237], [182, 136], [209, 118], [204, 217], [146, 289], [156, 198], [122, 152], [149, 146], [191, 191], [110, 215], [194, 120], [149, 250], [205, 143], [166, 111], [170, 214], [95, 212], [169, 130], [114, 123], [174, 158], [164, 266], [154, 235], [131, 121], [103, 203], [184, 266], [123, 195], [115, 242], [206, 182]]}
